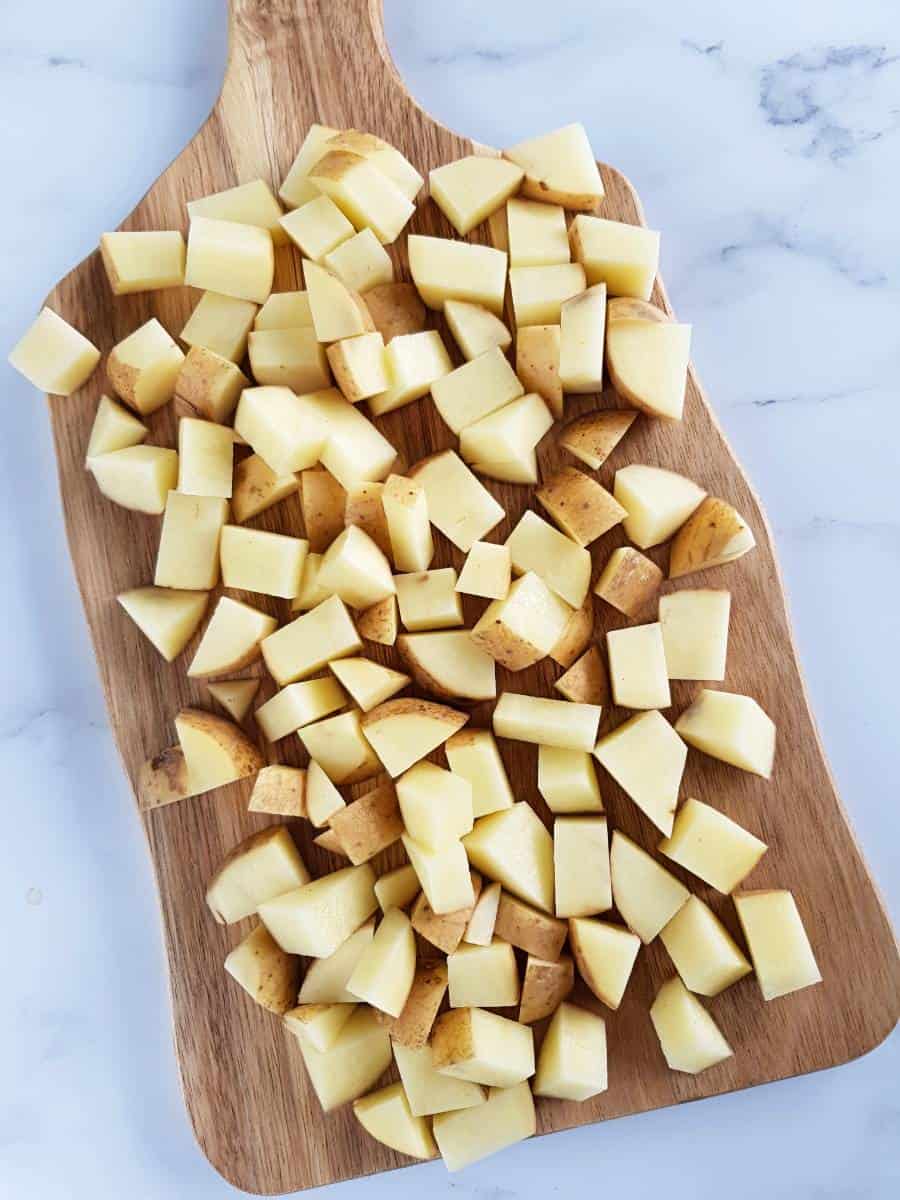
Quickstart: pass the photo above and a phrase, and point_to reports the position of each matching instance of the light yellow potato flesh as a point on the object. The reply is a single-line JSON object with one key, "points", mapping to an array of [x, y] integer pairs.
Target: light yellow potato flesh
{"points": [[637, 667], [188, 555], [325, 981], [385, 1116], [480, 929], [137, 477], [483, 976], [657, 502], [538, 293], [384, 973], [319, 1024], [648, 364], [284, 429], [264, 971], [297, 187], [386, 158], [502, 444], [284, 310], [257, 488], [732, 728], [476, 389], [359, 366], [694, 626], [114, 428], [230, 258], [547, 722], [297, 705], [582, 323], [688, 1036], [559, 168], [458, 504], [310, 642], [255, 560], [524, 626], [436, 805], [249, 204], [447, 270], [144, 367], [703, 951], [474, 329], [468, 190], [646, 758], [235, 695], [779, 945], [221, 324], [581, 866], [362, 263], [604, 955], [355, 450], [265, 865], [572, 1061], [53, 356], [482, 1047], [449, 665], [644, 892], [364, 194], [337, 312], [443, 874], [316, 227], [291, 358], [514, 848], [537, 234], [534, 545], [429, 600], [368, 682], [624, 257], [487, 571], [339, 747], [280, 791], [403, 731], [355, 569], [413, 362], [567, 780], [474, 755], [231, 640], [143, 262], [167, 617], [466, 1137], [427, 1091], [323, 799], [216, 751], [406, 513], [357, 1058], [315, 919], [398, 888], [712, 846]]}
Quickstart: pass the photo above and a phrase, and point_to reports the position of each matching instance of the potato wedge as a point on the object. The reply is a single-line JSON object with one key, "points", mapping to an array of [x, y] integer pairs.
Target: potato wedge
{"points": [[368, 825], [395, 309], [315, 919], [605, 955], [514, 848], [403, 731], [630, 581], [442, 929], [714, 534], [544, 987], [216, 751], [593, 436], [385, 1116], [265, 865], [688, 1036], [471, 1134], [379, 622], [448, 664], [266, 973], [279, 790], [412, 1028], [585, 681]]}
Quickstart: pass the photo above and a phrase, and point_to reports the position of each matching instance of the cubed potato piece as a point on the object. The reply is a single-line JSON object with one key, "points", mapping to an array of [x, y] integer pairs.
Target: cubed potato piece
{"points": [[655, 501], [644, 892], [264, 971], [297, 705], [537, 234], [386, 1117], [637, 667], [505, 1118], [168, 618], [188, 555], [310, 642], [384, 974], [322, 501], [537, 364], [216, 751], [779, 946], [646, 758], [544, 987], [482, 1047], [429, 600], [280, 791], [255, 560], [382, 155], [337, 744], [468, 190], [487, 571], [523, 627], [436, 805], [579, 505], [144, 366], [546, 722], [398, 888], [355, 450], [368, 682], [688, 1036], [221, 324], [630, 582], [412, 1028], [624, 257], [713, 535], [231, 640], [356, 570], [316, 918], [359, 366], [532, 931], [364, 507], [585, 681], [694, 627], [369, 824], [604, 955], [648, 363], [395, 309], [559, 168], [703, 951], [483, 976], [316, 227], [291, 358], [231, 258], [363, 193], [448, 664], [140, 478], [538, 293], [712, 846], [235, 696], [473, 754], [447, 887], [337, 312], [264, 865], [582, 324], [474, 329], [502, 444], [257, 488], [249, 204], [514, 848], [361, 262], [406, 513], [297, 188], [581, 866], [284, 429], [163, 779], [572, 1061], [458, 504], [593, 436], [379, 623], [413, 362], [577, 635], [354, 1062], [567, 780], [318, 1024], [114, 428], [562, 564], [447, 270], [429, 1092], [403, 731], [53, 356], [480, 929], [210, 385], [325, 981], [205, 458], [143, 262], [731, 728], [323, 799], [476, 389], [284, 310]]}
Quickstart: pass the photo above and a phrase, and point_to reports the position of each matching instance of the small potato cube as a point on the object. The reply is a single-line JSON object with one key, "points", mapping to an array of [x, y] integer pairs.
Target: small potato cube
{"points": [[538, 293], [167, 618], [713, 535], [205, 458], [292, 358], [297, 705], [325, 981], [483, 976], [545, 986], [474, 329], [406, 513], [231, 640], [284, 310], [560, 169], [364, 508], [216, 751], [782, 956], [362, 263], [593, 436], [210, 385], [137, 477], [323, 799], [581, 866], [368, 825], [644, 892], [444, 930], [630, 582], [579, 505], [297, 188], [257, 487], [337, 312], [429, 1092], [379, 623], [655, 502], [712, 846], [436, 805], [537, 364], [429, 600], [467, 1136], [731, 728], [368, 682], [235, 696], [221, 324], [354, 450], [316, 918], [604, 955], [537, 234], [363, 194], [114, 428], [480, 929], [355, 569], [254, 560], [53, 356], [469, 190], [487, 571], [502, 444], [353, 1063], [473, 754], [395, 309], [563, 565], [447, 270], [646, 758], [382, 155], [143, 262], [458, 504], [637, 667], [582, 324], [688, 1036], [188, 555], [403, 731], [280, 791], [546, 722], [523, 627], [624, 257], [576, 635], [482, 1047], [264, 971], [514, 849], [228, 257], [444, 876], [337, 744], [249, 204], [143, 367], [572, 1061], [359, 366], [476, 389], [316, 227], [695, 633], [318, 1024], [412, 1028], [704, 953], [397, 888], [413, 362], [284, 429], [310, 642], [648, 357], [585, 681], [322, 501], [532, 931], [567, 780]]}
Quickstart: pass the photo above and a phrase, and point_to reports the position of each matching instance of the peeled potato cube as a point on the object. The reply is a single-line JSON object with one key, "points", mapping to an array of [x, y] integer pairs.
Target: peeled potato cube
{"points": [[257, 487], [644, 892], [576, 635], [368, 682], [359, 366], [572, 1061], [355, 1061], [629, 582], [624, 257], [538, 293], [344, 754], [547, 722], [53, 356], [263, 866], [280, 791], [249, 204], [167, 617], [292, 358], [235, 696], [325, 981], [284, 429], [782, 956], [318, 1024], [480, 929], [487, 571], [231, 640], [364, 508], [216, 751], [205, 458], [483, 976], [593, 436], [656, 502], [537, 234], [231, 258], [523, 627], [361, 262], [582, 323], [310, 642], [428, 1091], [637, 667], [406, 513], [476, 389], [537, 363], [646, 758], [694, 627], [466, 1136], [386, 158], [363, 194], [210, 385], [395, 309], [188, 555], [397, 888], [585, 680], [581, 866], [567, 780], [688, 1036], [337, 312], [579, 505], [502, 444], [297, 188], [445, 878], [429, 600], [604, 955], [562, 564], [316, 918], [412, 363], [447, 270], [311, 595], [384, 973], [703, 951], [316, 227], [354, 449], [355, 569], [474, 329], [143, 262], [713, 535], [514, 848], [648, 363], [284, 310], [221, 324], [385, 1115], [458, 505], [712, 846], [559, 168], [473, 754], [297, 705], [323, 799], [403, 731], [114, 428], [137, 477], [264, 971], [144, 366], [468, 190], [436, 805], [731, 728], [482, 1047], [255, 560]]}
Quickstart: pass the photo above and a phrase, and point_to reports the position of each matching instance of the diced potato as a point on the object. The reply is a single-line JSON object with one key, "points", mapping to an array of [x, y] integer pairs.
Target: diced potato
{"points": [[703, 951], [487, 571], [502, 444], [325, 981], [144, 366], [429, 600], [446, 882], [713, 535], [188, 555], [398, 888], [582, 324], [280, 791], [644, 892], [316, 918], [323, 799], [537, 363], [560, 169], [483, 976], [322, 501], [593, 436], [337, 744], [403, 731], [310, 642], [476, 389], [395, 309], [532, 931], [513, 848], [688, 1036], [167, 617], [537, 234], [337, 312], [284, 429], [359, 366], [235, 695], [468, 190], [369, 824], [695, 633], [264, 971], [385, 1115], [297, 187], [318, 1024], [355, 450], [363, 193], [544, 987], [567, 780], [216, 751], [368, 682], [648, 359], [646, 758], [355, 569], [604, 955], [779, 946], [447, 270], [482, 1047], [379, 623], [205, 458], [577, 634], [361, 262], [448, 664], [53, 356], [221, 324], [712, 846], [656, 502], [630, 582], [428, 1091], [249, 204], [731, 728], [231, 640], [474, 329], [291, 358], [524, 626], [562, 564], [353, 1063], [137, 477], [114, 428], [413, 362], [297, 705], [480, 929], [473, 754], [458, 504], [538, 293], [579, 505], [445, 929], [406, 513], [581, 866], [637, 667], [316, 227], [209, 384], [546, 722], [364, 507], [624, 257], [284, 310], [585, 680], [572, 1061], [330, 842], [143, 262], [264, 865], [505, 1118], [384, 974], [257, 487], [412, 1028], [255, 560], [436, 805], [163, 779], [381, 154], [231, 258]]}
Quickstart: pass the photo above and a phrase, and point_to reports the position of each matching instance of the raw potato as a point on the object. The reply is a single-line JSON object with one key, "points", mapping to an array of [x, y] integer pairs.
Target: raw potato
{"points": [[167, 617], [406, 513], [297, 188], [215, 750], [476, 389], [581, 866], [688, 1036], [325, 981], [221, 324], [572, 1061], [231, 640], [364, 507], [163, 779], [567, 780], [352, 1064], [361, 263], [624, 257], [480, 929], [397, 889], [715, 534], [444, 874], [544, 987], [483, 976], [712, 846], [474, 329], [585, 680], [429, 600], [322, 501], [395, 309], [703, 951], [265, 865], [315, 919], [648, 355], [449, 665], [646, 758], [655, 502], [447, 270], [359, 366], [264, 971], [231, 258], [210, 385], [473, 754], [365, 195], [582, 323], [577, 634], [538, 293], [280, 791], [731, 728], [436, 805], [382, 155], [593, 436], [323, 799], [579, 505], [337, 744], [285, 430], [546, 722], [385, 1116], [560, 169], [379, 623], [412, 1028], [53, 356], [413, 362], [355, 450], [514, 848], [368, 825], [289, 358], [482, 1047], [506, 1117], [637, 667], [284, 310], [297, 705], [562, 564], [384, 974], [329, 842], [779, 946], [114, 428], [235, 696], [630, 582], [318, 1024], [144, 366], [316, 227], [355, 569], [257, 488], [536, 233], [337, 312], [458, 505], [469, 190], [644, 892], [605, 955], [532, 931], [524, 626], [255, 560], [502, 444], [368, 682], [310, 642], [139, 478], [429, 1092], [537, 363], [249, 204], [487, 571], [143, 262], [403, 731]]}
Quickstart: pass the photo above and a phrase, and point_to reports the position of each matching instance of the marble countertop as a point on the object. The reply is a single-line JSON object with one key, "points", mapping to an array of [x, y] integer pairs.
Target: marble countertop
{"points": [[765, 142]]}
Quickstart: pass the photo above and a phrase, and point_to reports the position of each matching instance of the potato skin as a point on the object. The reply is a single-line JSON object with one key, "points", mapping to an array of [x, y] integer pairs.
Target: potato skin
{"points": [[585, 681], [451, 1040], [369, 824], [270, 976], [544, 987], [626, 308], [577, 635], [246, 757], [379, 623], [395, 309], [708, 538], [413, 1027], [532, 931], [444, 930], [163, 779]]}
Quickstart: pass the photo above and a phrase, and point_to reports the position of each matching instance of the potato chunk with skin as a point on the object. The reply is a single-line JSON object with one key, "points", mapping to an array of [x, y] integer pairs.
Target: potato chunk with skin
{"points": [[483, 976], [114, 428], [368, 682], [732, 728], [537, 363], [562, 564], [480, 929], [514, 848], [637, 667], [644, 892], [468, 190], [559, 168], [386, 1117], [363, 194], [403, 731], [395, 309], [704, 953], [291, 358], [567, 780], [356, 570], [688, 1036], [280, 791], [167, 617], [316, 918], [53, 356], [624, 257], [216, 751], [487, 571], [572, 1061], [318, 1024], [712, 846], [482, 1047], [316, 227], [235, 695], [532, 931], [466, 1136], [630, 581], [581, 866], [369, 824], [412, 1028], [544, 987], [257, 488], [576, 636], [443, 270], [646, 758], [604, 955], [593, 436], [474, 329], [230, 258], [264, 971], [413, 363], [140, 478], [473, 754], [284, 429], [648, 363], [379, 623], [579, 505], [458, 504], [429, 600], [502, 444], [713, 535], [143, 261], [310, 642], [322, 501], [263, 866], [779, 946], [537, 234], [582, 324], [538, 293], [476, 389], [297, 188], [655, 502], [524, 626], [337, 744], [406, 513], [446, 885], [545, 722], [445, 929], [436, 805], [188, 555], [384, 974], [144, 366], [694, 627], [209, 384], [231, 640], [221, 324], [352, 1064], [448, 664], [359, 366], [428, 1091], [297, 705], [585, 681], [205, 458]]}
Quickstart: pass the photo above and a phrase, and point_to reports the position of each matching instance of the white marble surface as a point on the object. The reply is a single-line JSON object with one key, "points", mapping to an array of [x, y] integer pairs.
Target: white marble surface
{"points": [[765, 142]]}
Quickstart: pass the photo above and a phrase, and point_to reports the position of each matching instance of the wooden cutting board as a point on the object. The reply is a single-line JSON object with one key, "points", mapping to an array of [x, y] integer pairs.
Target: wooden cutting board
{"points": [[293, 62]]}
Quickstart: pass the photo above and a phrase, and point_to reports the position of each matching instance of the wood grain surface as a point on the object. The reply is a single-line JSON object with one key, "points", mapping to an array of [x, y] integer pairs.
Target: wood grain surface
{"points": [[293, 62]]}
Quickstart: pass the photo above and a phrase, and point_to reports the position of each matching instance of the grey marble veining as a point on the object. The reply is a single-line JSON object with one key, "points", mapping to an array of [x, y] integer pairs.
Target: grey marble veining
{"points": [[765, 143]]}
